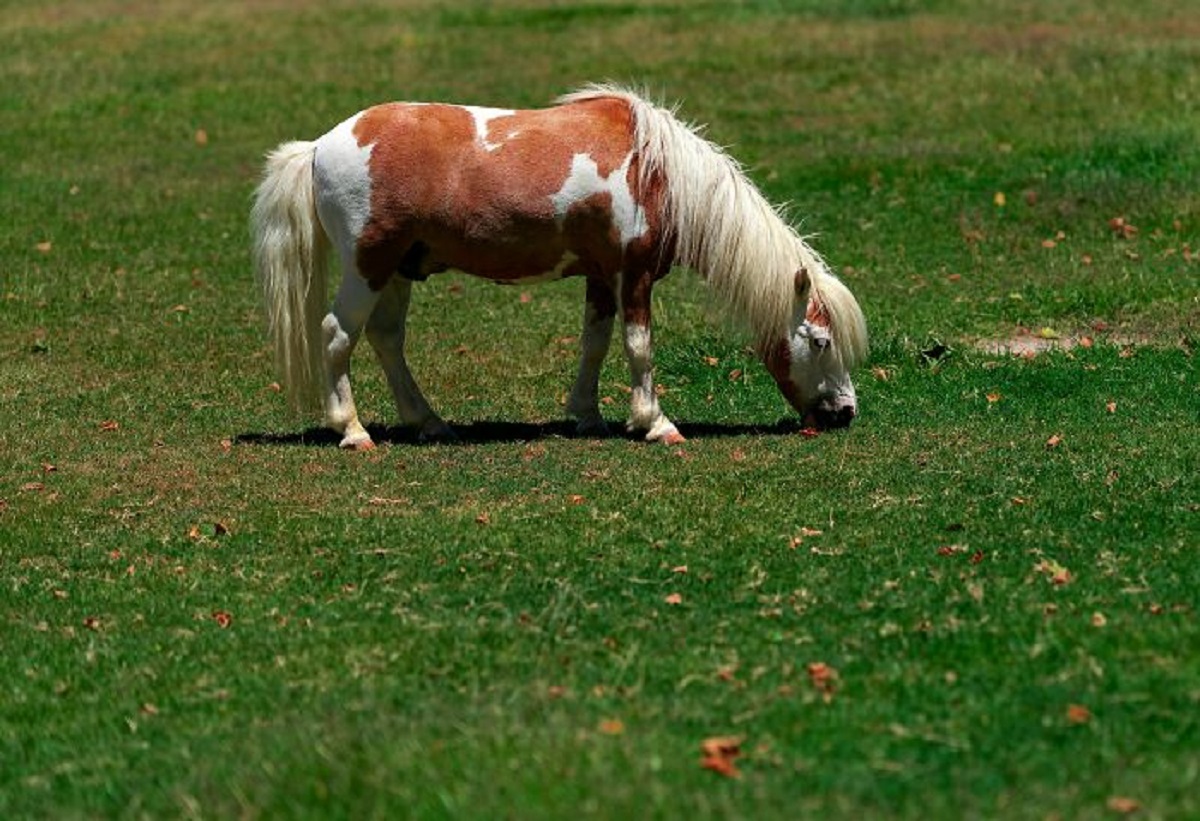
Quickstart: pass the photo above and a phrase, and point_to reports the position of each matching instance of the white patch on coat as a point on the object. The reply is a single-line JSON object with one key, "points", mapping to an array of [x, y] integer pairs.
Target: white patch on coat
{"points": [[482, 117], [584, 181], [342, 179]]}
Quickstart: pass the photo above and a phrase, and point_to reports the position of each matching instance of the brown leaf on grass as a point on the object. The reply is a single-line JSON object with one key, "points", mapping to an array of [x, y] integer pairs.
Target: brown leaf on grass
{"points": [[738, 455], [810, 433], [1078, 714], [1122, 228], [674, 598], [222, 618], [220, 528], [1099, 619], [109, 425], [611, 726], [977, 557], [1054, 441], [91, 623], [44, 247], [1123, 804], [483, 519], [993, 397], [735, 374], [201, 137], [575, 499], [719, 753], [951, 549], [711, 361], [824, 678], [33, 486], [882, 374], [194, 532], [526, 297], [1057, 574], [48, 468], [680, 569], [1111, 407], [226, 444]]}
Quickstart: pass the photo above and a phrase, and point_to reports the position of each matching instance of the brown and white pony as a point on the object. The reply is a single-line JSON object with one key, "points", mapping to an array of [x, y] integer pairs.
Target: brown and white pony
{"points": [[604, 185]]}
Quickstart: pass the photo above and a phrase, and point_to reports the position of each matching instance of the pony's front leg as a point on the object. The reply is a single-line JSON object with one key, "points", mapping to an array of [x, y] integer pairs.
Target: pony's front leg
{"points": [[599, 311], [386, 333], [341, 329], [645, 413]]}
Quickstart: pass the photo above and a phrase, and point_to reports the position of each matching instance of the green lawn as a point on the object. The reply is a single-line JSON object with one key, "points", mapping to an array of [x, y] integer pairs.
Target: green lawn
{"points": [[979, 601]]}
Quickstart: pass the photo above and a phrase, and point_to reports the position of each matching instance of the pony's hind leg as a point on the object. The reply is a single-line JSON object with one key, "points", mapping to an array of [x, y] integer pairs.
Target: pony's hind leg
{"points": [[584, 404], [341, 329], [386, 333], [645, 414]]}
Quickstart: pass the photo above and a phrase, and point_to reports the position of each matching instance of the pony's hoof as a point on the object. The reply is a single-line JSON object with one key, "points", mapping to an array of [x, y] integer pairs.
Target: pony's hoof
{"points": [[357, 444], [673, 437]]}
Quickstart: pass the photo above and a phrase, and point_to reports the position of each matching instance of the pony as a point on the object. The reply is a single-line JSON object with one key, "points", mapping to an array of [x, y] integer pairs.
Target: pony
{"points": [[604, 184]]}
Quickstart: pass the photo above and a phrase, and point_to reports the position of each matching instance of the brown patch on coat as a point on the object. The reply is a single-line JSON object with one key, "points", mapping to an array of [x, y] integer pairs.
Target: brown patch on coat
{"points": [[436, 186], [778, 361]]}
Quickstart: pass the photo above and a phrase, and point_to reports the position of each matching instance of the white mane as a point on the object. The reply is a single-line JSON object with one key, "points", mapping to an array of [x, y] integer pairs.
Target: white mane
{"points": [[727, 232]]}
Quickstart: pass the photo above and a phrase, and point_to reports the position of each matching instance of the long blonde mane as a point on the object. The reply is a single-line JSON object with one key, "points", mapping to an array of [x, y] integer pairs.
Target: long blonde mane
{"points": [[727, 232]]}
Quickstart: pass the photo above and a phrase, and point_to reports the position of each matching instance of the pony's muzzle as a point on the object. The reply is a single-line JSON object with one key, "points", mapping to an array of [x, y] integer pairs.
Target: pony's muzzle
{"points": [[833, 413]]}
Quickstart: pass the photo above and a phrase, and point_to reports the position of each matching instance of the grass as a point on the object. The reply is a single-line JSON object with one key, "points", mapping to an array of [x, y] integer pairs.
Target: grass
{"points": [[210, 611]]}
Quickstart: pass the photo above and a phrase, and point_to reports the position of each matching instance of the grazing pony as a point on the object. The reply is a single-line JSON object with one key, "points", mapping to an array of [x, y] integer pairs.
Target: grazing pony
{"points": [[603, 185]]}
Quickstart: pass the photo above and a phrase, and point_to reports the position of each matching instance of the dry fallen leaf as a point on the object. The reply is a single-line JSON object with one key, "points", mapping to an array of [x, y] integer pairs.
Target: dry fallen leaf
{"points": [[222, 618], [1123, 805], [1120, 227], [611, 726], [109, 425], [993, 397], [1054, 441], [91, 623], [1099, 619], [201, 137], [1078, 714], [1111, 407], [951, 549], [824, 678], [711, 361], [680, 569], [1058, 574], [999, 199], [220, 528], [44, 247], [719, 753], [674, 598]]}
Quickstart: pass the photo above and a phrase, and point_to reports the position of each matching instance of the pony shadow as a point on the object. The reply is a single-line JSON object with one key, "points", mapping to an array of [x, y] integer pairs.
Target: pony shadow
{"points": [[491, 431]]}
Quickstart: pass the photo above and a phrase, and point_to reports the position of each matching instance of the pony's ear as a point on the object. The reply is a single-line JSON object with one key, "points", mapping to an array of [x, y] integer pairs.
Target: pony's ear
{"points": [[803, 283]]}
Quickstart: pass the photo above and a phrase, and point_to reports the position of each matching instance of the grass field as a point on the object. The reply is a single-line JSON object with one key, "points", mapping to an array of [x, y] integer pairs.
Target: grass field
{"points": [[979, 601]]}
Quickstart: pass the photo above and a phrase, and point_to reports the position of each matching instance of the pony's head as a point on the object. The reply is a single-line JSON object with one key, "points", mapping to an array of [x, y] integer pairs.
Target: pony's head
{"points": [[826, 338]]}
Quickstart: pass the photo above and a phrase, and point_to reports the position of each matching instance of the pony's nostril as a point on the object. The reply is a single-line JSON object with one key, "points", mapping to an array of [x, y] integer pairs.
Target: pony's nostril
{"points": [[840, 417]]}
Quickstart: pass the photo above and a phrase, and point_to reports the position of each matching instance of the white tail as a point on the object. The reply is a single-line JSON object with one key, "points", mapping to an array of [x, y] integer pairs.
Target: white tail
{"points": [[291, 255]]}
